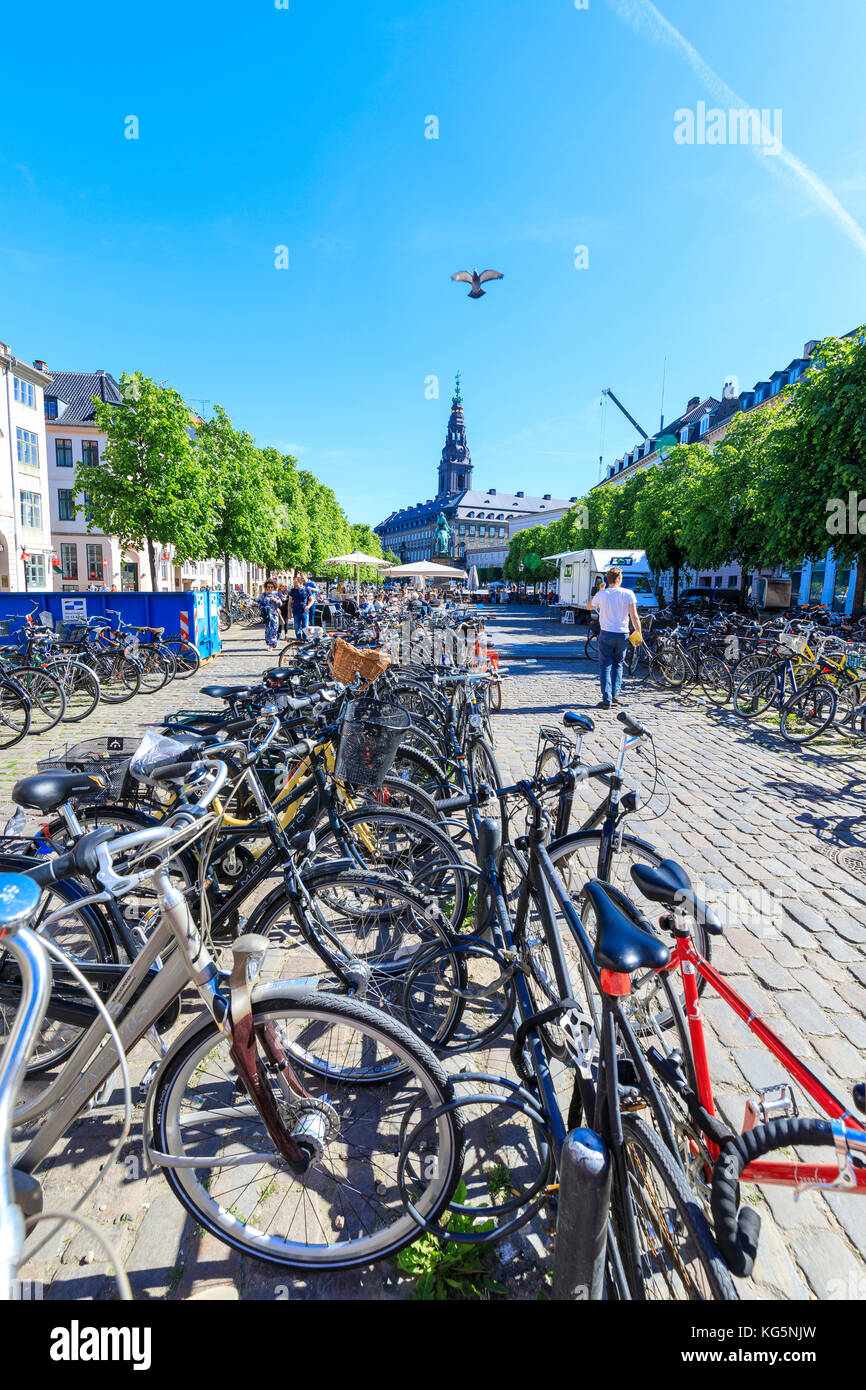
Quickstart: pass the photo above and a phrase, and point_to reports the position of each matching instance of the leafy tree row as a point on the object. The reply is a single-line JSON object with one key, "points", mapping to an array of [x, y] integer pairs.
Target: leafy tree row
{"points": [[786, 482], [207, 489]]}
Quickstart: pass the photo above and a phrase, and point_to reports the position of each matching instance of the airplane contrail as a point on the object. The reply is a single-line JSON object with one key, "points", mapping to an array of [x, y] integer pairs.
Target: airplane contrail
{"points": [[644, 17]]}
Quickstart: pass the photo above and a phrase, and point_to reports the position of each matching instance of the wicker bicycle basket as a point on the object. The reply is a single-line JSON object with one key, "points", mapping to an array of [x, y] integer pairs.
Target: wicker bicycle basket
{"points": [[371, 734], [349, 662]]}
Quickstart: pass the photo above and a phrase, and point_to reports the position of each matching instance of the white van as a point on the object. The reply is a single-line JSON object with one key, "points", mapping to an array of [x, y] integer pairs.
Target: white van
{"points": [[581, 570]]}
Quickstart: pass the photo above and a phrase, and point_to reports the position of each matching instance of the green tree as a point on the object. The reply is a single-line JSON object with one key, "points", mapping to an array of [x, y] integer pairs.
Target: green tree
{"points": [[329, 529], [292, 536], [524, 548], [657, 525], [725, 519], [149, 488], [364, 538], [245, 521], [616, 525], [815, 461]]}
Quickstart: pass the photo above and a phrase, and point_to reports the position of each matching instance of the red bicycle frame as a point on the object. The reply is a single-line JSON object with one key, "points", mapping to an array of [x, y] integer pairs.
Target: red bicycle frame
{"points": [[691, 965]]}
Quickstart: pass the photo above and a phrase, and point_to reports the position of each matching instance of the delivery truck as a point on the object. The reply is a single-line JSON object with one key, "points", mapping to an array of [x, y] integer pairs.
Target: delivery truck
{"points": [[580, 572]]}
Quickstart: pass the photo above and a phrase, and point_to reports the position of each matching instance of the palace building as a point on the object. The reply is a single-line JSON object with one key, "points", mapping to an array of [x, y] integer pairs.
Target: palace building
{"points": [[478, 518]]}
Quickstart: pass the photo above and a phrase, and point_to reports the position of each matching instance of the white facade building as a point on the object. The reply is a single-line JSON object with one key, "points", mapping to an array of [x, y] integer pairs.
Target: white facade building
{"points": [[25, 531]]}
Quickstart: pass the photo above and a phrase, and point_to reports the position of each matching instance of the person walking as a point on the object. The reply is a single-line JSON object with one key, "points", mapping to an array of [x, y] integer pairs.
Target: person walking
{"points": [[283, 596], [299, 598], [269, 607], [311, 589], [615, 607]]}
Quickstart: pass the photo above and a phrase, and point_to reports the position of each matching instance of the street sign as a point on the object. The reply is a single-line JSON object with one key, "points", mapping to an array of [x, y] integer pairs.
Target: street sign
{"points": [[74, 610]]}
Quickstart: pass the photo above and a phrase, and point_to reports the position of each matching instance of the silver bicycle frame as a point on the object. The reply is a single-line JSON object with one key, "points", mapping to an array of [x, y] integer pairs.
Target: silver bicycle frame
{"points": [[95, 1057]]}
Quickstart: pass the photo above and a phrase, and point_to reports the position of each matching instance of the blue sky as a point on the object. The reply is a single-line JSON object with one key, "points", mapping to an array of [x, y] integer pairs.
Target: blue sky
{"points": [[305, 127]]}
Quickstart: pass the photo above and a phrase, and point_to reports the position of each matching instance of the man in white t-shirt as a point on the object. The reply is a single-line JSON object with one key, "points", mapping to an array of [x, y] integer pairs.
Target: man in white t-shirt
{"points": [[615, 607]]}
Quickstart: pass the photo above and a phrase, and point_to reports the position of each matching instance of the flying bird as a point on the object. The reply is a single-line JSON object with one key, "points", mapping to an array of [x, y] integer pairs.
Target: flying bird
{"points": [[471, 277]]}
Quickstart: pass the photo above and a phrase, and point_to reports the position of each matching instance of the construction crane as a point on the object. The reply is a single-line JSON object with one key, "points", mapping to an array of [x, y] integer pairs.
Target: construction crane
{"points": [[606, 391], [632, 421]]}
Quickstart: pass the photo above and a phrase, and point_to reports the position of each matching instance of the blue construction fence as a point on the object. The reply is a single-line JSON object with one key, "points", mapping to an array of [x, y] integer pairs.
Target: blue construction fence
{"points": [[200, 607]]}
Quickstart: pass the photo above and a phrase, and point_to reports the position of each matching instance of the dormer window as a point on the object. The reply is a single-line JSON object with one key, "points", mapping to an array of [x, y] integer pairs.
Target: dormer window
{"points": [[50, 403], [705, 424], [776, 385], [684, 435]]}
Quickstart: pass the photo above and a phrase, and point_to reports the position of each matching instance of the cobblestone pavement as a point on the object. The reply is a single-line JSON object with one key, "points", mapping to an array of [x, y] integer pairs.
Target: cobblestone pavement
{"points": [[756, 825]]}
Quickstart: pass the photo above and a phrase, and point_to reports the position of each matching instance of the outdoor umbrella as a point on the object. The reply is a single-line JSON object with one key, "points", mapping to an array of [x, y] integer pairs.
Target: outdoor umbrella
{"points": [[473, 578], [425, 569], [358, 558]]}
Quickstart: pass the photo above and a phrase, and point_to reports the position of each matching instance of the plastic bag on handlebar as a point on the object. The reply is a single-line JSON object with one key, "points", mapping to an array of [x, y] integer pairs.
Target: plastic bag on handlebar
{"points": [[156, 749]]}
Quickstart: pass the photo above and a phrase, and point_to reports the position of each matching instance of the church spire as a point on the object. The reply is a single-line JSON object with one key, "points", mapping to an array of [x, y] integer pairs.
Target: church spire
{"points": [[455, 469]]}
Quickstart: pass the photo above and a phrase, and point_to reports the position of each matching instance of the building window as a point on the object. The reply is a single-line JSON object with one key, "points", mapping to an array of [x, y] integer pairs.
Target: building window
{"points": [[63, 452], [94, 562], [25, 392], [503, 530], [472, 530], [732, 581], [50, 403], [705, 424], [776, 385], [482, 530], [28, 448], [35, 567], [68, 561], [684, 435], [90, 451], [461, 530], [717, 582], [65, 503], [31, 510]]}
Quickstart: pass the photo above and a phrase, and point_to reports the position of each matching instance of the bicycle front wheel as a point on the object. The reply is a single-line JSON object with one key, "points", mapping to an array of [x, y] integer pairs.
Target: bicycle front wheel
{"points": [[347, 1209], [664, 1238], [756, 692]]}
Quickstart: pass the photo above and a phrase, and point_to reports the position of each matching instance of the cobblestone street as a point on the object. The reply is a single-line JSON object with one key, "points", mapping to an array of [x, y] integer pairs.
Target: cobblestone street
{"points": [[754, 824]]}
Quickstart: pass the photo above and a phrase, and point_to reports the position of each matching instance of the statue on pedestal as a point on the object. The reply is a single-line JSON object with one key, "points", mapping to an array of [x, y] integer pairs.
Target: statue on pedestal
{"points": [[443, 535]]}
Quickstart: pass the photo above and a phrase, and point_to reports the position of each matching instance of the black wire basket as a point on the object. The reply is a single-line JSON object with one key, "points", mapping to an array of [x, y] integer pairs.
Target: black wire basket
{"points": [[371, 734], [106, 757]]}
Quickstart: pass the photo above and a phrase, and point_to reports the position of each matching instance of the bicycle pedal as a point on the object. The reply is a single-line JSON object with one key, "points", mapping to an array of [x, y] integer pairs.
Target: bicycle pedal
{"points": [[770, 1103], [630, 1098]]}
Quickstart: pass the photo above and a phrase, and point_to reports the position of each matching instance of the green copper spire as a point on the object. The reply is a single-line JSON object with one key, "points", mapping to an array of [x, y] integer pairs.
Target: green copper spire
{"points": [[458, 399]]}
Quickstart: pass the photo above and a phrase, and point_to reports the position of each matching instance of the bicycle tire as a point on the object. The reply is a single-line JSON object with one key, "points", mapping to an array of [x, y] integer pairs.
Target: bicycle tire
{"points": [[670, 1206], [756, 692], [738, 1227], [714, 680], [443, 878], [378, 944], [80, 686], [14, 713], [173, 1134], [46, 694], [816, 708]]}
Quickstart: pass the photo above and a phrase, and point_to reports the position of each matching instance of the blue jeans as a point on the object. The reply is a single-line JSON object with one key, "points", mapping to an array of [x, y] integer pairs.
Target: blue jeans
{"points": [[611, 650]]}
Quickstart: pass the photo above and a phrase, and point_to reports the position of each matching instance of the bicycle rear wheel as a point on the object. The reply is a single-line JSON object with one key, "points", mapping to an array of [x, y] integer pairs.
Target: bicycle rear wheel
{"points": [[48, 701], [347, 1208], [80, 686], [14, 713], [808, 714], [714, 679], [756, 692]]}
